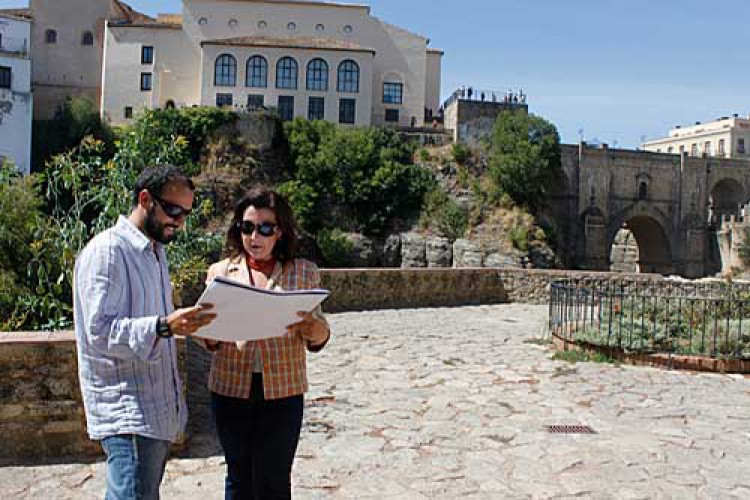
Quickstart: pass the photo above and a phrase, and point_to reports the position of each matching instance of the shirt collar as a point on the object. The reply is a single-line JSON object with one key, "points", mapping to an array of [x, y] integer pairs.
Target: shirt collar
{"points": [[134, 235]]}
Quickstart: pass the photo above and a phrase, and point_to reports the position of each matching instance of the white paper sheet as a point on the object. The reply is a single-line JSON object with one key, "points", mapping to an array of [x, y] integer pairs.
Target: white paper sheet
{"points": [[248, 313]]}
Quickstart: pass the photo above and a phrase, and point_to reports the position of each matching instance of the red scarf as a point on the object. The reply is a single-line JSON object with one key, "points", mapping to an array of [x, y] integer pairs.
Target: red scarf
{"points": [[264, 266]]}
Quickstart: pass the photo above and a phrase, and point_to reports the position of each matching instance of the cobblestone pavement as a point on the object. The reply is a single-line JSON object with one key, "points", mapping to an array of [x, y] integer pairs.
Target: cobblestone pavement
{"points": [[452, 403]]}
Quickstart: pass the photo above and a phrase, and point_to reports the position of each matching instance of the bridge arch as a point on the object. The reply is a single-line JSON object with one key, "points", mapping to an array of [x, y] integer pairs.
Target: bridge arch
{"points": [[725, 198], [655, 246]]}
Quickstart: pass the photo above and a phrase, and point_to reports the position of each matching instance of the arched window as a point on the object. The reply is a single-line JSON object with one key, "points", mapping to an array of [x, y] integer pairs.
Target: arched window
{"points": [[50, 36], [257, 72], [87, 38], [286, 73], [642, 191], [317, 75], [348, 76], [225, 71]]}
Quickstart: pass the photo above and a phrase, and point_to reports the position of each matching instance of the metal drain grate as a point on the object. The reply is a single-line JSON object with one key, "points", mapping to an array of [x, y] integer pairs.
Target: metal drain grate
{"points": [[570, 429]]}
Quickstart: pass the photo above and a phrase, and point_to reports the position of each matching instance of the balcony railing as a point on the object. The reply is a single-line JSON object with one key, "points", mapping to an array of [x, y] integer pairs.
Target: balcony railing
{"points": [[13, 45], [483, 95]]}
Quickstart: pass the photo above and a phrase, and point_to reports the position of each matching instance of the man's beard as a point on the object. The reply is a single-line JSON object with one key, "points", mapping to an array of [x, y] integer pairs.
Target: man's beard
{"points": [[156, 230]]}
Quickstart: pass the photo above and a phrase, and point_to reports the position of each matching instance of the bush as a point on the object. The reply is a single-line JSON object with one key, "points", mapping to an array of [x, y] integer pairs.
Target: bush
{"points": [[519, 237], [172, 135], [85, 193], [424, 155], [460, 153], [74, 119], [524, 157], [19, 218], [359, 179], [444, 216], [335, 247]]}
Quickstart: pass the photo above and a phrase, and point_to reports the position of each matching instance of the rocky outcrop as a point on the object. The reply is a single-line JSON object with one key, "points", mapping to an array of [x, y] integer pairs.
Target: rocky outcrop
{"points": [[438, 252], [413, 250]]}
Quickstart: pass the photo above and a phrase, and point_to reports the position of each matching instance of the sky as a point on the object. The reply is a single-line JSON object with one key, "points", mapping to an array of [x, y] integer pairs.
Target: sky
{"points": [[614, 71]]}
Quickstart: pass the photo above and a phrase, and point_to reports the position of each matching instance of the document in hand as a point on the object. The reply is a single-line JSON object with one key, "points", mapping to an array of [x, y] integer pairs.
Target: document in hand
{"points": [[244, 312]]}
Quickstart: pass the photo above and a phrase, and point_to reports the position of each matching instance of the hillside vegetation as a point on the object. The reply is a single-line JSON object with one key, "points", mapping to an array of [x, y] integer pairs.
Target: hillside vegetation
{"points": [[341, 181]]}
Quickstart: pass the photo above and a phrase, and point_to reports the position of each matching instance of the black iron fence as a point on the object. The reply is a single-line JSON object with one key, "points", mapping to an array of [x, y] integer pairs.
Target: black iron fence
{"points": [[687, 318]]}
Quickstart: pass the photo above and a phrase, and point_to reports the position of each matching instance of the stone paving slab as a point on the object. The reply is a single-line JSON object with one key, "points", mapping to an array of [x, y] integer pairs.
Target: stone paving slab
{"points": [[452, 403]]}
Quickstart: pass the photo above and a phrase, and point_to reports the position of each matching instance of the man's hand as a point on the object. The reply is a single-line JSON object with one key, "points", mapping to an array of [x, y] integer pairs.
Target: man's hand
{"points": [[311, 329], [188, 320]]}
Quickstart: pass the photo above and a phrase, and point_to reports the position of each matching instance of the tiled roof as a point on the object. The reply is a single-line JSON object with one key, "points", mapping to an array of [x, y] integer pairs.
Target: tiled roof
{"points": [[18, 13], [130, 15], [290, 43]]}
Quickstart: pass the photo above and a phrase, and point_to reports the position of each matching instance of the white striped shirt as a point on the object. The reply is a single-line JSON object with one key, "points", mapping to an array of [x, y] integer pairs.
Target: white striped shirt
{"points": [[129, 376]]}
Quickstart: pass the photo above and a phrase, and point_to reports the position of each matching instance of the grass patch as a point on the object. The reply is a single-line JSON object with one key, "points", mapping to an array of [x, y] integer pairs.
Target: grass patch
{"points": [[583, 357], [538, 341]]}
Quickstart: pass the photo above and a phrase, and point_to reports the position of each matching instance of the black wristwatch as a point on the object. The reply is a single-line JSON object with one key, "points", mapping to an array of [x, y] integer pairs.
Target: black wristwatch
{"points": [[162, 328]]}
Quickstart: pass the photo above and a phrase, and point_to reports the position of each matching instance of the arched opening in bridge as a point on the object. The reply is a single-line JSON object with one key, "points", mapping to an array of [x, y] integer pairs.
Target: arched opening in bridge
{"points": [[726, 198], [641, 246]]}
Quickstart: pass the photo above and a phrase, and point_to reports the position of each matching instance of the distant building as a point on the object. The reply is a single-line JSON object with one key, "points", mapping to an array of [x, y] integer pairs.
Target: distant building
{"points": [[470, 114], [16, 104], [314, 59], [727, 137], [67, 46]]}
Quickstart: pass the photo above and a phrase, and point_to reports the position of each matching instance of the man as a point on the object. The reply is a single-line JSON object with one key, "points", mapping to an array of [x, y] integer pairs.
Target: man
{"points": [[124, 322]]}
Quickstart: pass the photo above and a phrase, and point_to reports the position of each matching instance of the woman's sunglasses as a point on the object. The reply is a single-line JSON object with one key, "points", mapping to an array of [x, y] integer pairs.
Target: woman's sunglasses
{"points": [[264, 228]]}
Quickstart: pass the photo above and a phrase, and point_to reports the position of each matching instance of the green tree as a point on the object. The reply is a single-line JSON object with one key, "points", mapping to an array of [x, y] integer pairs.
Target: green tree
{"points": [[524, 157], [74, 119], [19, 218], [359, 179]]}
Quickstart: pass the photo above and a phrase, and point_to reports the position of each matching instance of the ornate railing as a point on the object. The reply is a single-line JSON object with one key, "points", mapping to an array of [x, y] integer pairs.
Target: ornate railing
{"points": [[683, 318]]}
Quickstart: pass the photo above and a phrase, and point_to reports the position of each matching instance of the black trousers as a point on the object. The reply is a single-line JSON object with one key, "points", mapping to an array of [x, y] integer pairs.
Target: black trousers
{"points": [[259, 439]]}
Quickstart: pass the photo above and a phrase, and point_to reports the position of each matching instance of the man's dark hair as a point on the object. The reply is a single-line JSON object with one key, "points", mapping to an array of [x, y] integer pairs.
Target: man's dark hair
{"points": [[155, 177], [261, 197]]}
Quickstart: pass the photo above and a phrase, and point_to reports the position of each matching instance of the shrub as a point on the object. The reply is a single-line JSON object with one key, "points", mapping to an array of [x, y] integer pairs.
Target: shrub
{"points": [[460, 153], [86, 192], [524, 157], [424, 155], [519, 237], [335, 247], [19, 218], [452, 221], [360, 179], [74, 119], [443, 215]]}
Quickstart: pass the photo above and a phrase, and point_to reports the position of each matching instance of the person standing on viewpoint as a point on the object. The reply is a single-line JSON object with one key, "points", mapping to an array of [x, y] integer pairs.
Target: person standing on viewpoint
{"points": [[257, 386], [124, 323]]}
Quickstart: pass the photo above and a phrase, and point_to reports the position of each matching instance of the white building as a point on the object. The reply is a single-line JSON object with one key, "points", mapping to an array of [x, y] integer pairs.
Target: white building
{"points": [[727, 137], [16, 104], [314, 59], [67, 41]]}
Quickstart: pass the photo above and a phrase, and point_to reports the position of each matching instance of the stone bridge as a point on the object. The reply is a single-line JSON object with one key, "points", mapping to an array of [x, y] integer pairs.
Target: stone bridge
{"points": [[672, 204]]}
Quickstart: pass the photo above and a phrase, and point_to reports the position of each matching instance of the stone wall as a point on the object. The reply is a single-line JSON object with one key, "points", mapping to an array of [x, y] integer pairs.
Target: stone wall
{"points": [[472, 120], [41, 410], [41, 413]]}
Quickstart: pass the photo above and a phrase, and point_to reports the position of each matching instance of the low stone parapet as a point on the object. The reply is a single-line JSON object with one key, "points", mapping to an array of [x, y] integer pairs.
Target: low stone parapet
{"points": [[41, 411]]}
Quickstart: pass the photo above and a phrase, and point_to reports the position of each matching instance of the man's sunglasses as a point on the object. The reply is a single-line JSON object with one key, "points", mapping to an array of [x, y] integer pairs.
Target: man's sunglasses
{"points": [[172, 210], [264, 228]]}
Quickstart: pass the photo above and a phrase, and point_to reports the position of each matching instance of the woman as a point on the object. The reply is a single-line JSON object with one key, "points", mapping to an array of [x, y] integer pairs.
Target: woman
{"points": [[257, 386]]}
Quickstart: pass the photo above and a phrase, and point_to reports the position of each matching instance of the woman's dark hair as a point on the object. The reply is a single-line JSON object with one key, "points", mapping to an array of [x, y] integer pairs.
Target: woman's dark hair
{"points": [[261, 197]]}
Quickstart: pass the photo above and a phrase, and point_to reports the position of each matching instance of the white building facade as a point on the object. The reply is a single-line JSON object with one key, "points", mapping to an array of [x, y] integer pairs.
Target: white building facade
{"points": [[312, 59], [16, 103], [727, 137]]}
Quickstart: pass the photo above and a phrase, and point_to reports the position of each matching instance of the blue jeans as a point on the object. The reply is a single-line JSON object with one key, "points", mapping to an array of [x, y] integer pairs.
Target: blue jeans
{"points": [[259, 439], [135, 466]]}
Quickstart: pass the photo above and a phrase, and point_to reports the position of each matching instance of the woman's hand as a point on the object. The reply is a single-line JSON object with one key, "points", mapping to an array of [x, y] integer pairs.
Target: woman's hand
{"points": [[311, 328]]}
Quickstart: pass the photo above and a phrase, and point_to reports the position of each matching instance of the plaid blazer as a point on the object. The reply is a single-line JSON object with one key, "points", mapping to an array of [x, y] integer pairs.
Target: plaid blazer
{"points": [[284, 358]]}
